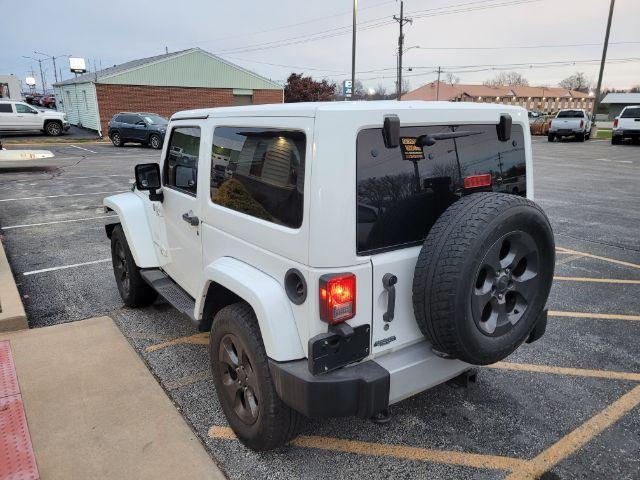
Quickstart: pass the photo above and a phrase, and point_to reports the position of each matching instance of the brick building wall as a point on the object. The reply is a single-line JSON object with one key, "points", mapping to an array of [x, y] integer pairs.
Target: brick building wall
{"points": [[166, 101]]}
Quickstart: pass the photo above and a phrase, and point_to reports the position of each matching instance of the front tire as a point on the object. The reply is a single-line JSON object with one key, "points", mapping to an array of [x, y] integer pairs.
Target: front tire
{"points": [[53, 129], [245, 388], [154, 142], [135, 292]]}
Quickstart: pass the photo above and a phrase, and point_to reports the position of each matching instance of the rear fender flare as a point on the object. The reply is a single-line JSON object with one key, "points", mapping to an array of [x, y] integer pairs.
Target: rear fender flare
{"points": [[135, 224], [268, 299]]}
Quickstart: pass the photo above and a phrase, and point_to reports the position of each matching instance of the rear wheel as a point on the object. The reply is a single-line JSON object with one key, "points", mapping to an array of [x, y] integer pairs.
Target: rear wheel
{"points": [[551, 137], [240, 368], [580, 137], [116, 139], [483, 276], [135, 292]]}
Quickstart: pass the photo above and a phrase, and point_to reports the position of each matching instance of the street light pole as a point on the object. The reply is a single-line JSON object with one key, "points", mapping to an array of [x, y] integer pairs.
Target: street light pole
{"points": [[604, 58], [39, 60], [353, 50]]}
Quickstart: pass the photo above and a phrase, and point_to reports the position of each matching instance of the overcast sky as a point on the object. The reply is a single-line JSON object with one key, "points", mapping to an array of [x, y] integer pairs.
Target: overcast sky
{"points": [[276, 37]]}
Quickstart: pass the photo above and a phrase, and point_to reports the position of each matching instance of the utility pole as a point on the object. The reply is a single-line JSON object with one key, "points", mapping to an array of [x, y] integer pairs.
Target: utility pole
{"points": [[596, 102], [402, 20], [53, 58], [353, 50], [438, 84], [39, 60]]}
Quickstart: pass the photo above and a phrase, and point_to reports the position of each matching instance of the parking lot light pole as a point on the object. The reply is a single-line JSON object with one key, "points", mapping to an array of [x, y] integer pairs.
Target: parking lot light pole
{"points": [[53, 58], [596, 100], [39, 60]]}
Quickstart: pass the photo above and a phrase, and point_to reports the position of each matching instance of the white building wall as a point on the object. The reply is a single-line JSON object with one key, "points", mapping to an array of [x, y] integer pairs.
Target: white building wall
{"points": [[79, 102]]}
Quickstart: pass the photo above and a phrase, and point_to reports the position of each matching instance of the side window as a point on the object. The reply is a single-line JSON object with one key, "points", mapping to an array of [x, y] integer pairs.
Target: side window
{"points": [[5, 108], [22, 108], [181, 164], [259, 172]]}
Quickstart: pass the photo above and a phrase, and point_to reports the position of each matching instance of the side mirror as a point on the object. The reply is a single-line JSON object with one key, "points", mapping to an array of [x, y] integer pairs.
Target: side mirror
{"points": [[391, 131], [148, 178], [504, 127]]}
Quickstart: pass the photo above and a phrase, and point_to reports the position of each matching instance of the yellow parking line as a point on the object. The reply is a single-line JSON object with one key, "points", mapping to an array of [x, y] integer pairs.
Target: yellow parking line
{"points": [[600, 316], [597, 280], [197, 339], [577, 372], [598, 257], [188, 380], [578, 438], [404, 452], [568, 259]]}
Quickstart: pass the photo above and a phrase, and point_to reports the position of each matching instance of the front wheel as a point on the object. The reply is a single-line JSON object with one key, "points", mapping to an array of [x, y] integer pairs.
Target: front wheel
{"points": [[116, 139], [135, 292], [154, 142], [53, 129], [245, 388]]}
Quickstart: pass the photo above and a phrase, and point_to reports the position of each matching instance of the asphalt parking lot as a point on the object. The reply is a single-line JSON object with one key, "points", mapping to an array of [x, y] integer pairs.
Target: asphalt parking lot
{"points": [[564, 407]]}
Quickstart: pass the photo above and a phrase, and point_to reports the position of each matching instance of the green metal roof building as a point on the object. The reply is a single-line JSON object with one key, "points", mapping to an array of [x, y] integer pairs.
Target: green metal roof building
{"points": [[163, 84]]}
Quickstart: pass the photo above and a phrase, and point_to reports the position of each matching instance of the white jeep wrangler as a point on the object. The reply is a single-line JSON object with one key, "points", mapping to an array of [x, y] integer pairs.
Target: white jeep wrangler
{"points": [[344, 256]]}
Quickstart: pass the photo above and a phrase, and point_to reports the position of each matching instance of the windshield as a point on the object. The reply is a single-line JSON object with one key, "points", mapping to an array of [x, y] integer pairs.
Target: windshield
{"points": [[570, 114], [154, 119], [631, 112]]}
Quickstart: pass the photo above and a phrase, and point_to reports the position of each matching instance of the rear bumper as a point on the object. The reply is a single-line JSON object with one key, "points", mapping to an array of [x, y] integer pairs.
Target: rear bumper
{"points": [[369, 387], [626, 133]]}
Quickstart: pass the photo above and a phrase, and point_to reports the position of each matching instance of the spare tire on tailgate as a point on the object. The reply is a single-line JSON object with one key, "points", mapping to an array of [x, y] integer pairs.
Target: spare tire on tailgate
{"points": [[483, 276]]}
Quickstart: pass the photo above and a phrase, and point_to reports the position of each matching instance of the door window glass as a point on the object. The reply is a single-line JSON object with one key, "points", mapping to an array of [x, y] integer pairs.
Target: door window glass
{"points": [[401, 192], [5, 108], [259, 172], [22, 108], [181, 165]]}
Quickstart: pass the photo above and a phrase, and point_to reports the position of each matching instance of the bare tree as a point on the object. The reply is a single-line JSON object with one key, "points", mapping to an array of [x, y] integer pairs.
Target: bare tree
{"points": [[511, 79], [380, 93], [635, 89], [578, 81], [451, 79]]}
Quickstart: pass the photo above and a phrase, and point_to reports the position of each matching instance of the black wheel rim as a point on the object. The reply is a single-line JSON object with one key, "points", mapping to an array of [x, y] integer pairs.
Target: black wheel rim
{"points": [[54, 129], [239, 379], [121, 269], [505, 283]]}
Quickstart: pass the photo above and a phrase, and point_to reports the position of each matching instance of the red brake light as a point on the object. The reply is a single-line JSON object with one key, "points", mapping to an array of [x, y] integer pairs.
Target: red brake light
{"points": [[615, 123], [337, 297], [581, 123], [550, 123], [476, 181]]}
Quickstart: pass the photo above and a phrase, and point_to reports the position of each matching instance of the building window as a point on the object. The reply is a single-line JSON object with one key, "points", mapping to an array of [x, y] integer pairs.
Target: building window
{"points": [[242, 99]]}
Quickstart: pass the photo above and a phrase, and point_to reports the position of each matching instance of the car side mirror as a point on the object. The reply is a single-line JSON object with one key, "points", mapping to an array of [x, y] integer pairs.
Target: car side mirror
{"points": [[391, 131], [148, 178], [504, 127]]}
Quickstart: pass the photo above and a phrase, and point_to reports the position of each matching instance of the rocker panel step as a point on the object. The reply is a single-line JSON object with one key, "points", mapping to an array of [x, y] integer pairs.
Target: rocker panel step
{"points": [[170, 291]]}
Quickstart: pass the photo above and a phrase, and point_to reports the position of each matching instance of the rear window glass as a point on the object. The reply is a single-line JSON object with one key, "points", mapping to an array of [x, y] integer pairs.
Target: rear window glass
{"points": [[259, 172], [401, 192], [570, 114], [631, 113], [5, 108]]}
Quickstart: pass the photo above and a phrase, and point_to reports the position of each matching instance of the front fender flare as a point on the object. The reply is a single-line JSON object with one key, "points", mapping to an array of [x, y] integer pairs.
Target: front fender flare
{"points": [[135, 224], [268, 300]]}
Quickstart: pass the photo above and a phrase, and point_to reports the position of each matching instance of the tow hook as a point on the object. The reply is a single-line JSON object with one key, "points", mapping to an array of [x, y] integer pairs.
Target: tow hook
{"points": [[382, 418]]}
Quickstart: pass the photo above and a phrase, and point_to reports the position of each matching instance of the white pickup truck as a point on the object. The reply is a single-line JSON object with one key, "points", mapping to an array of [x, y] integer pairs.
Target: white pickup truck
{"points": [[571, 123], [18, 116], [626, 125]]}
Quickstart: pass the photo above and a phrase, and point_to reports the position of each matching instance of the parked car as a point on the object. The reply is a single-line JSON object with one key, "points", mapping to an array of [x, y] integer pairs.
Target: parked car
{"points": [[626, 125], [18, 116], [311, 315], [48, 101], [570, 123], [143, 128]]}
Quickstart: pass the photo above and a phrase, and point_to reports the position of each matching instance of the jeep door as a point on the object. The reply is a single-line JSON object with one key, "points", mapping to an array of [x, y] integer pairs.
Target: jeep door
{"points": [[180, 211]]}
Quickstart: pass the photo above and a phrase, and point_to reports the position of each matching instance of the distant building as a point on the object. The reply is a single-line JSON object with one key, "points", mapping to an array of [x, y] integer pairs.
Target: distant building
{"points": [[10, 87], [163, 84], [544, 99], [615, 102]]}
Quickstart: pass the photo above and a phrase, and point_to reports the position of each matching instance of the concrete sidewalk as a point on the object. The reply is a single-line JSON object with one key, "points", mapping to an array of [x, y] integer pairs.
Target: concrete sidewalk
{"points": [[95, 411]]}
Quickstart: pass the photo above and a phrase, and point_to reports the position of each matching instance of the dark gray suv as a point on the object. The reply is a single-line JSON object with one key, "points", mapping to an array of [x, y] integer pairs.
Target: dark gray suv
{"points": [[143, 128]]}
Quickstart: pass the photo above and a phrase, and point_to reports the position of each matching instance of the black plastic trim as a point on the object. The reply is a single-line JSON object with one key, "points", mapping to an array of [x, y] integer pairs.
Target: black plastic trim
{"points": [[361, 390], [540, 327], [291, 279]]}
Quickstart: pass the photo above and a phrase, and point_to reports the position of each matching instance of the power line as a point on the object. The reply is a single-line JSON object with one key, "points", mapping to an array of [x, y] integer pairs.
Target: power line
{"points": [[521, 47]]}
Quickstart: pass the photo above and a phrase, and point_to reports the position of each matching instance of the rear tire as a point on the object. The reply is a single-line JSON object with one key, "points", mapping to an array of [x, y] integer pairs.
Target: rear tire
{"points": [[245, 388], [483, 276], [580, 137], [551, 137], [615, 141], [135, 292]]}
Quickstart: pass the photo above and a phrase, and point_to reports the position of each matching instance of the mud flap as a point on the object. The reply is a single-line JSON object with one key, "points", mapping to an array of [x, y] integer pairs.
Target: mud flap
{"points": [[540, 328]]}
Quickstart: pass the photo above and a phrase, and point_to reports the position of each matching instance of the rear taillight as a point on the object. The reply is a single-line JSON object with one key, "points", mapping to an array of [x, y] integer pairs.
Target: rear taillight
{"points": [[337, 297], [581, 123], [476, 181], [550, 123], [615, 123]]}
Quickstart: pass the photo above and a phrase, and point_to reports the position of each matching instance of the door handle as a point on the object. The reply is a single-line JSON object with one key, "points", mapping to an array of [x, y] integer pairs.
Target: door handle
{"points": [[388, 282], [191, 219]]}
